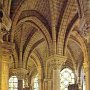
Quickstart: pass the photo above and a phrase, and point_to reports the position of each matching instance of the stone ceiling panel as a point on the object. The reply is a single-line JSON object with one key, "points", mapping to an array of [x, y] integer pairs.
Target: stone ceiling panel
{"points": [[75, 51]]}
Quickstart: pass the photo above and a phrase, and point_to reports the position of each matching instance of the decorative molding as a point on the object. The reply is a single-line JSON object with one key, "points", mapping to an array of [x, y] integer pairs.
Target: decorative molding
{"points": [[20, 73], [6, 50], [56, 61], [7, 47]]}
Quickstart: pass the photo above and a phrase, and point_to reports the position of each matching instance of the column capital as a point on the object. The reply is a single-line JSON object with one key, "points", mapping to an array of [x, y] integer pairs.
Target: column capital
{"points": [[19, 72], [6, 49], [56, 61]]}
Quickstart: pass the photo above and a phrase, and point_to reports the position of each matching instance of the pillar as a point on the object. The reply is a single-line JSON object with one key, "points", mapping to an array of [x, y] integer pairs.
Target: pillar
{"points": [[40, 77], [20, 84], [55, 63], [47, 84], [4, 65], [29, 83], [5, 49], [56, 79], [21, 74]]}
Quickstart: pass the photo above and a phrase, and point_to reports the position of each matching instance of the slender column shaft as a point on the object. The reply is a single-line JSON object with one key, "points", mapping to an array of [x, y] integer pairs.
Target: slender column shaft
{"points": [[56, 79], [54, 64], [4, 75], [4, 69], [20, 84], [48, 84]]}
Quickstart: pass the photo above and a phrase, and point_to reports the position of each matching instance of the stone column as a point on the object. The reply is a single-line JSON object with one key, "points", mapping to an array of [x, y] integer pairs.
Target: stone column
{"points": [[40, 77], [29, 83], [4, 65], [56, 79], [20, 84], [47, 84], [26, 83], [5, 48], [21, 74], [79, 82], [54, 63]]}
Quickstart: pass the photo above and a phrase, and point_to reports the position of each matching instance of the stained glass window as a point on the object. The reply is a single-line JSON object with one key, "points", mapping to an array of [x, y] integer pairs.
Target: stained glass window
{"points": [[36, 83], [13, 83], [66, 77]]}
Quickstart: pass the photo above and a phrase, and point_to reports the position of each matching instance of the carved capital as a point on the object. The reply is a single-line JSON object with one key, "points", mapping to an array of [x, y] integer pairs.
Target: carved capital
{"points": [[6, 51], [56, 61], [6, 48], [20, 73]]}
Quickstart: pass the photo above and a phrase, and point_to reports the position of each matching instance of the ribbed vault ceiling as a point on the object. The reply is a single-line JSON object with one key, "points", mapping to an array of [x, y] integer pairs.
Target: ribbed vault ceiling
{"points": [[33, 26]]}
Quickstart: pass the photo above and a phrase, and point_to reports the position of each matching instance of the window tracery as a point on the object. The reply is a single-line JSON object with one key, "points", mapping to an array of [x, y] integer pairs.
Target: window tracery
{"points": [[66, 77], [13, 83]]}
